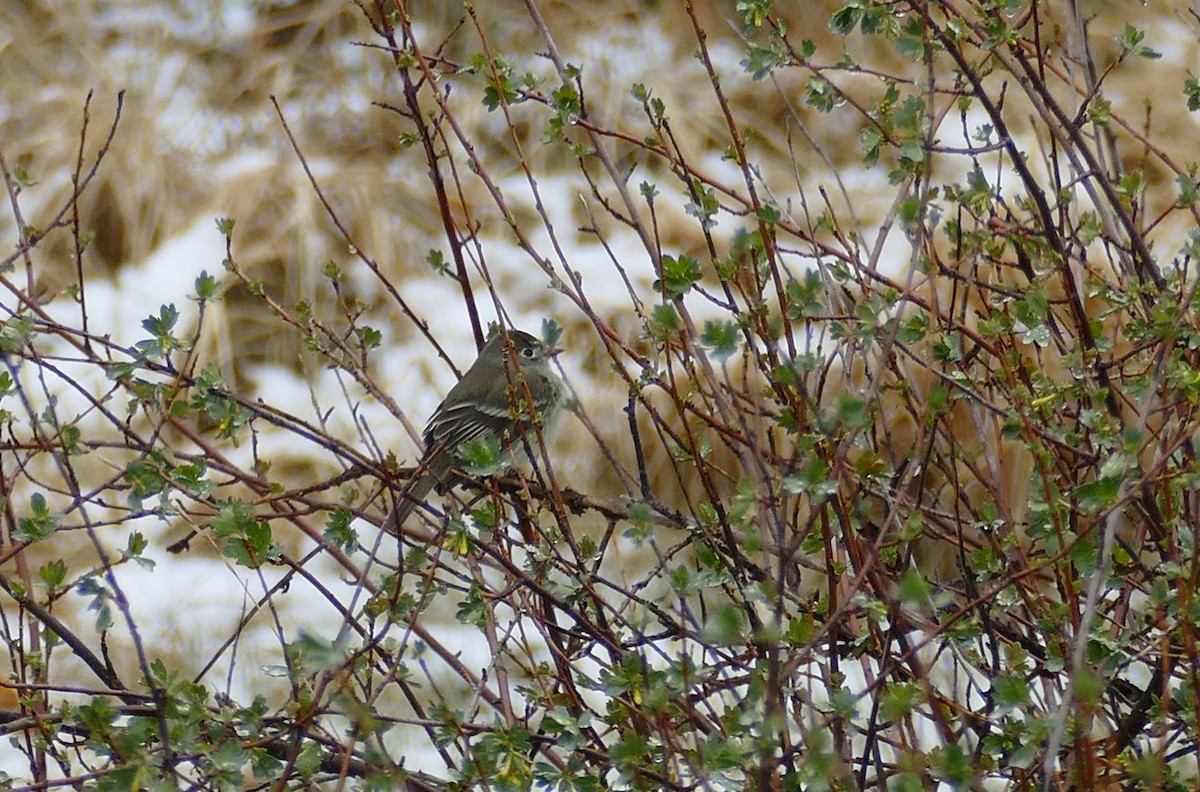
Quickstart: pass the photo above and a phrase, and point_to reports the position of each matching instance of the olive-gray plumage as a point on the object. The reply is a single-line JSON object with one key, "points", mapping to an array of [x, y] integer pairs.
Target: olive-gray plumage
{"points": [[484, 404]]}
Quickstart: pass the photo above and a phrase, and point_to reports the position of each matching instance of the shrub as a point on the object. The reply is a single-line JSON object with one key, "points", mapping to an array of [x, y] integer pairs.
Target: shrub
{"points": [[882, 345]]}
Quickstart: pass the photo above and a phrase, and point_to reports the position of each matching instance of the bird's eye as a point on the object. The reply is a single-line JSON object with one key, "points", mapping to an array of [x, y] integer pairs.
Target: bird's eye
{"points": [[528, 352]]}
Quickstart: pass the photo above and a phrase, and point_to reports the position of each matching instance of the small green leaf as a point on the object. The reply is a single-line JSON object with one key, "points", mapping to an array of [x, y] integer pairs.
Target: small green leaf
{"points": [[14, 333], [332, 272], [437, 260], [1095, 496], [702, 204], [1191, 89], [472, 609], [552, 332], [761, 61], [914, 327], [136, 545], [753, 12], [338, 532], [246, 539], [40, 523], [720, 338], [898, 701], [53, 573], [642, 525], [679, 274], [101, 599], [664, 322], [370, 337], [726, 626], [938, 402], [206, 286], [813, 479], [954, 766], [852, 412], [913, 589], [1009, 691], [844, 19], [806, 297], [162, 342], [1188, 194], [483, 457], [1130, 41]]}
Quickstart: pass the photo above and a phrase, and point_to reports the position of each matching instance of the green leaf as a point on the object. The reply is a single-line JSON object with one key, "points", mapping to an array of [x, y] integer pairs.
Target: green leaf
{"points": [[753, 12], [844, 19], [852, 412], [898, 701], [69, 437], [726, 626], [565, 101], [914, 327], [162, 342], [135, 549], [96, 716], [338, 532], [101, 599], [552, 332], [953, 765], [820, 95], [805, 297], [309, 760], [40, 523], [679, 274], [1095, 496], [1188, 193], [437, 261], [191, 477], [721, 338], [245, 539], [223, 410], [483, 457], [14, 333], [814, 479], [913, 589], [630, 752], [1083, 555], [761, 61], [145, 477], [642, 525], [162, 324], [473, 608], [206, 286], [370, 337], [1130, 41], [938, 402], [1009, 691], [1191, 89], [53, 573], [702, 204], [664, 322]]}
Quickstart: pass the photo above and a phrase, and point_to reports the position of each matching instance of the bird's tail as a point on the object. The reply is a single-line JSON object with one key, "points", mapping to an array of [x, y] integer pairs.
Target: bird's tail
{"points": [[413, 496]]}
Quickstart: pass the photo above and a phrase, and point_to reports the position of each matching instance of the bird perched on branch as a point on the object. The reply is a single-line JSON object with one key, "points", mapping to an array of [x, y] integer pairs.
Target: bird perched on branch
{"points": [[510, 392]]}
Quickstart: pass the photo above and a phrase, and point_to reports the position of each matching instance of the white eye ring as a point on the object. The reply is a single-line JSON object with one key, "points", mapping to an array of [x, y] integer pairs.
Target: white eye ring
{"points": [[528, 352]]}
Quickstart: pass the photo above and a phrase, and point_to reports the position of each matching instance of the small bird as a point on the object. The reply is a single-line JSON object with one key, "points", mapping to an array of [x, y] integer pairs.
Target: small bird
{"points": [[489, 401]]}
